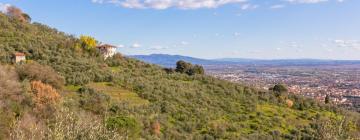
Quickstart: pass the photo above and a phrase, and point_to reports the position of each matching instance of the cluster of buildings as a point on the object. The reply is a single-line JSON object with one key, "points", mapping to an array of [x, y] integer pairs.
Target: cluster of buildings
{"points": [[341, 83]]}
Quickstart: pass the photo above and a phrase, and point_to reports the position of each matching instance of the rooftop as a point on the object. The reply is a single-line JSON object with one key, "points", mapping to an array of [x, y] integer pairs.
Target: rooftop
{"points": [[105, 46], [19, 54]]}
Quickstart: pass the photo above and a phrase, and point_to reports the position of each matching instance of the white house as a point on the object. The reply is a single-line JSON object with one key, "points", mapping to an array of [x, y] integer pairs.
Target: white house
{"points": [[106, 50], [19, 57]]}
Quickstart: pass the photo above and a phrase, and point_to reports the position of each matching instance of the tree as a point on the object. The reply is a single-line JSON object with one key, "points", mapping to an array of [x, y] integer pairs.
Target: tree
{"points": [[182, 66], [88, 42], [45, 97], [26, 17], [199, 69], [327, 99], [17, 13], [279, 89], [188, 68]]}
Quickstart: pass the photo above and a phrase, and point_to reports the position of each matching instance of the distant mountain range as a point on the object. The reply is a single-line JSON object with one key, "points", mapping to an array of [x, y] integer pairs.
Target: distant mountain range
{"points": [[170, 61]]}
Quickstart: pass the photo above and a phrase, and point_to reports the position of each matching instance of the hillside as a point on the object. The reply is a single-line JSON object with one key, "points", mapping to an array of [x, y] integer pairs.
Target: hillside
{"points": [[66, 91]]}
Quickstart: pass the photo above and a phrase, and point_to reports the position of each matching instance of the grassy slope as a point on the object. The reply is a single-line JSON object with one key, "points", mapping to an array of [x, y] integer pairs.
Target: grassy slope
{"points": [[186, 106]]}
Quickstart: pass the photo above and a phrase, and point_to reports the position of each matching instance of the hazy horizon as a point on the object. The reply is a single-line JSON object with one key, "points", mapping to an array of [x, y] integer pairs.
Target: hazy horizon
{"points": [[246, 57]]}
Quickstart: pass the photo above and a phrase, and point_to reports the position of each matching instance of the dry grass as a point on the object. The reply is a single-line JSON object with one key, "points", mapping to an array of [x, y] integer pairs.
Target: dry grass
{"points": [[65, 126]]}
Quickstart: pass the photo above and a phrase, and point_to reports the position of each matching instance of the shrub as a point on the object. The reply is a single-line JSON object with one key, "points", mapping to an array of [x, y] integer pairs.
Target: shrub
{"points": [[289, 103], [155, 128], [93, 100], [124, 125], [115, 61], [36, 72], [10, 87], [45, 97]]}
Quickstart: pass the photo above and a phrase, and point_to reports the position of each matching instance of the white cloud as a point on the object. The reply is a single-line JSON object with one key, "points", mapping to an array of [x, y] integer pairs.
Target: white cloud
{"points": [[121, 46], [135, 45], [277, 6], [249, 6], [184, 43], [4, 7], [354, 44], [165, 4], [236, 34], [306, 1], [97, 1]]}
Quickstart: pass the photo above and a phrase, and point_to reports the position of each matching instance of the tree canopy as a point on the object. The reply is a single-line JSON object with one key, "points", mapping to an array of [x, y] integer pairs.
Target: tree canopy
{"points": [[88, 42], [188, 68]]}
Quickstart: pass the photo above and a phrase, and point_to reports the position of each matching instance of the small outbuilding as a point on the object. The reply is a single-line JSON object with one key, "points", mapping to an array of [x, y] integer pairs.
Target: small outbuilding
{"points": [[19, 57], [106, 50]]}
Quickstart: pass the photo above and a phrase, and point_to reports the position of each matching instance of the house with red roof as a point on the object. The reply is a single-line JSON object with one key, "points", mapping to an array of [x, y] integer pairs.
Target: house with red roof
{"points": [[106, 50], [19, 57]]}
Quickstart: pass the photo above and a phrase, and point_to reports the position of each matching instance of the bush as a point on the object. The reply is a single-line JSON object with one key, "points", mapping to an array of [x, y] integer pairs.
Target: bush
{"points": [[45, 98], [10, 87], [115, 61], [36, 72], [93, 101], [124, 125]]}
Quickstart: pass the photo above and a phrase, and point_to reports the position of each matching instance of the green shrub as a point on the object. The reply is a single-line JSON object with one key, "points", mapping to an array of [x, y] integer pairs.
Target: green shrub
{"points": [[125, 125], [93, 101]]}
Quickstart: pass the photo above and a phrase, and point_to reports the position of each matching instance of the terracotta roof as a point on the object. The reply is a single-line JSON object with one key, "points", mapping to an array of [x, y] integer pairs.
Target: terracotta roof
{"points": [[105, 46], [19, 54]]}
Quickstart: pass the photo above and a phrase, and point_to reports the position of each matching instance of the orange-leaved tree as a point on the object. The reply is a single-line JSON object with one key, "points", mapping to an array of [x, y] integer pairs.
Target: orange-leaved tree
{"points": [[18, 14], [45, 97]]}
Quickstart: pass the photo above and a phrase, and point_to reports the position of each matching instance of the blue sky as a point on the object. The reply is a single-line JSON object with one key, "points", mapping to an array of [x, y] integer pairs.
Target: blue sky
{"points": [[265, 29]]}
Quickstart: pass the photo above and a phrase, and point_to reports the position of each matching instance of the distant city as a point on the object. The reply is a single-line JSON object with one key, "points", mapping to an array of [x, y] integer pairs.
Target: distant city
{"points": [[340, 82]]}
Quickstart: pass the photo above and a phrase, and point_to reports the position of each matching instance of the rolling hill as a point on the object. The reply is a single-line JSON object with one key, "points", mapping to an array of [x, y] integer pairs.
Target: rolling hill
{"points": [[66, 90], [170, 60]]}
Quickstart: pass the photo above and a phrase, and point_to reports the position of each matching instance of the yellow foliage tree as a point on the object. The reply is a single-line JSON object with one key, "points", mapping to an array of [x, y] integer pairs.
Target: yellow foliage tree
{"points": [[88, 42]]}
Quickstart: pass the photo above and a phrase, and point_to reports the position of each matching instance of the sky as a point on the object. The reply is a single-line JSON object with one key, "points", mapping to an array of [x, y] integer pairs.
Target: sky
{"points": [[261, 29]]}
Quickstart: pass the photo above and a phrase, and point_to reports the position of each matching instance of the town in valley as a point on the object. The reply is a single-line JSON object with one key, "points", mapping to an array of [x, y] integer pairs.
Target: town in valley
{"points": [[340, 82]]}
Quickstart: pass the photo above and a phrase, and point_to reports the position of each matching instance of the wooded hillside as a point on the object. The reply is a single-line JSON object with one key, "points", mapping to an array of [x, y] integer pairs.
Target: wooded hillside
{"points": [[66, 90]]}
